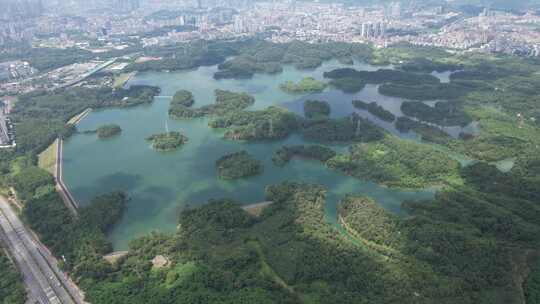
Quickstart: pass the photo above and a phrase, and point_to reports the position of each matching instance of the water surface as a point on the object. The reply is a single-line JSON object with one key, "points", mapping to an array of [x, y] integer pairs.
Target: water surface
{"points": [[161, 184]]}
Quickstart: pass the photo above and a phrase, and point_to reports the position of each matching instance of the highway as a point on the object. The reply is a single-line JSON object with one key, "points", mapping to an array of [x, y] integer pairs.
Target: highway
{"points": [[45, 281]]}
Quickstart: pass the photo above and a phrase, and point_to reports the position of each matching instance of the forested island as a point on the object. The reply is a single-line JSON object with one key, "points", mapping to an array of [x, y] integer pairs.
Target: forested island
{"points": [[184, 98], [316, 109], [110, 130], [269, 124], [167, 141], [305, 85], [226, 102], [238, 165], [348, 129], [283, 155], [374, 109]]}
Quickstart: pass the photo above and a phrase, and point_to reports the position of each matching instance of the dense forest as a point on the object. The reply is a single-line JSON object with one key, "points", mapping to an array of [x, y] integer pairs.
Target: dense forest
{"points": [[475, 242], [11, 287]]}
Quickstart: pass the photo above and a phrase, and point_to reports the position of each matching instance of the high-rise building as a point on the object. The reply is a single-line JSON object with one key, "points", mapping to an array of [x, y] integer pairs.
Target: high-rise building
{"points": [[20, 9], [127, 5]]}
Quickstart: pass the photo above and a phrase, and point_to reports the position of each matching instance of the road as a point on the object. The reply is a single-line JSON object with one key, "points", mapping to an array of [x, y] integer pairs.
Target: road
{"points": [[46, 282]]}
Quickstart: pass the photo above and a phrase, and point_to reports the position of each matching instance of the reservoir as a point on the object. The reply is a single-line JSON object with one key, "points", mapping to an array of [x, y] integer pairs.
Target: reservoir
{"points": [[161, 184]]}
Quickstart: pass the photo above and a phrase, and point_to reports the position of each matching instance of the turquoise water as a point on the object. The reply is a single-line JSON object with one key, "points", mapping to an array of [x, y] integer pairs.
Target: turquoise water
{"points": [[161, 184]]}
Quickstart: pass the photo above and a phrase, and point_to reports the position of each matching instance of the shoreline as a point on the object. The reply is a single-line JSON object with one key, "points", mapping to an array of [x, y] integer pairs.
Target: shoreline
{"points": [[75, 120]]}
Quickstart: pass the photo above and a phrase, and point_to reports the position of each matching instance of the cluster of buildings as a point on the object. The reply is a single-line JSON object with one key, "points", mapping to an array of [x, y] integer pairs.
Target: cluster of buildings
{"points": [[15, 70], [100, 25]]}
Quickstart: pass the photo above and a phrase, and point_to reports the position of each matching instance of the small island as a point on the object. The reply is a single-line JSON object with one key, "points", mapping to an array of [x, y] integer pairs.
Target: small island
{"points": [[184, 98], [374, 109], [167, 141], [106, 131], [238, 165], [306, 85], [316, 109]]}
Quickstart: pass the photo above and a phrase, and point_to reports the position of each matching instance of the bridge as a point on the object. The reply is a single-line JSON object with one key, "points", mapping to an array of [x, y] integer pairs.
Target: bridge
{"points": [[87, 74]]}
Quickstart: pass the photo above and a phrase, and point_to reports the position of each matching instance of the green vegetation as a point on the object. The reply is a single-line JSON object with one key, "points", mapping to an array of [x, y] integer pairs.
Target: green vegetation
{"points": [[263, 57], [472, 243], [80, 240], [532, 284], [184, 98], [374, 109], [32, 182], [269, 124], [11, 284], [47, 158], [444, 253], [167, 141], [226, 102], [348, 84], [305, 85], [316, 109], [245, 67], [427, 132], [382, 76], [429, 91], [442, 113], [369, 222], [284, 154], [238, 165], [397, 163], [109, 130], [45, 59], [40, 117], [249, 56], [423, 65], [348, 129]]}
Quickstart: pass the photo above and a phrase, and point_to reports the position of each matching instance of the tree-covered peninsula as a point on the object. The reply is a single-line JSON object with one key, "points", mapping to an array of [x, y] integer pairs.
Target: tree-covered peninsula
{"points": [[284, 154], [167, 141], [305, 85], [374, 109], [398, 163], [238, 165], [316, 109]]}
